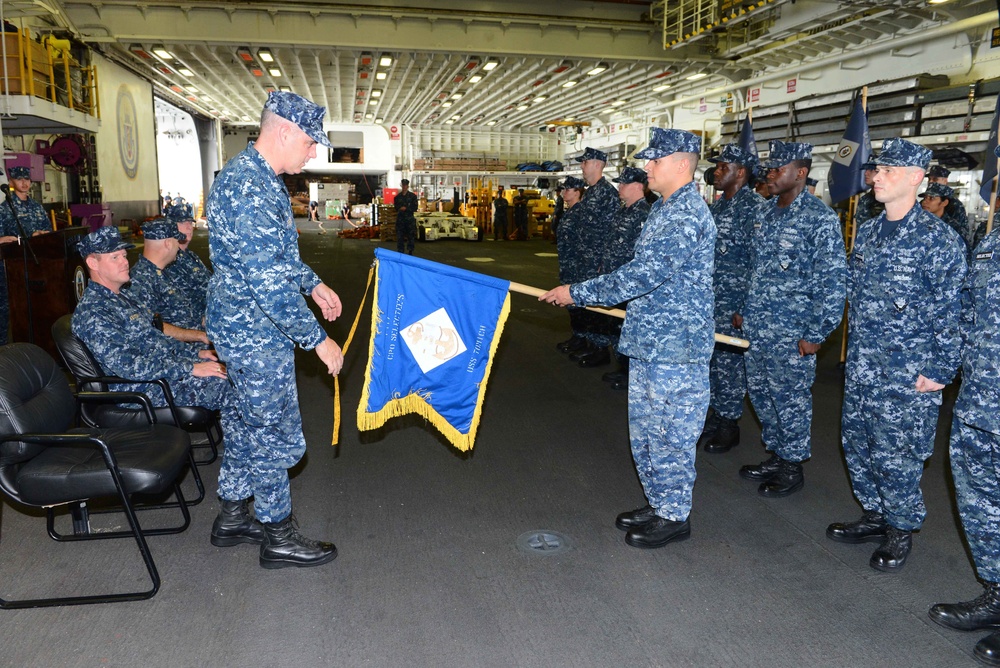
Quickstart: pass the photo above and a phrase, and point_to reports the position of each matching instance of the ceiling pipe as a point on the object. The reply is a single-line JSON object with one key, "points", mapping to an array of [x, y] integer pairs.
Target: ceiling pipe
{"points": [[944, 30]]}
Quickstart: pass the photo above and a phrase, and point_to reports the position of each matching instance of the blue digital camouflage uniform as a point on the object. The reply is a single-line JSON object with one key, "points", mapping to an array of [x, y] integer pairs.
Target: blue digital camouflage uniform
{"points": [[975, 433], [33, 219], [956, 216], [734, 220], [796, 291], [668, 334], [257, 314], [406, 223], [903, 294], [191, 277], [598, 207], [119, 332], [155, 289]]}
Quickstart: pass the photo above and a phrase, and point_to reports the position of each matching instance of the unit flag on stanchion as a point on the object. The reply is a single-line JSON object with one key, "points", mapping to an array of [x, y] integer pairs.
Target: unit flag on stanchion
{"points": [[435, 330], [847, 172]]}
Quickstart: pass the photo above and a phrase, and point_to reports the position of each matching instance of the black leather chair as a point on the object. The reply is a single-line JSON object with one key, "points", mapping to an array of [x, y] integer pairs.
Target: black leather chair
{"points": [[45, 462], [202, 423]]}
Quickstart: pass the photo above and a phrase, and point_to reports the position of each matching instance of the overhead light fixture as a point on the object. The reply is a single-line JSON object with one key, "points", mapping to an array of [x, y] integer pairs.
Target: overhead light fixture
{"points": [[449, 122], [491, 123], [456, 117], [274, 72], [569, 84], [540, 98], [140, 51], [568, 119], [446, 104], [372, 102], [193, 89], [378, 120], [247, 119], [366, 59], [617, 103], [522, 107], [162, 52], [255, 70], [369, 115], [183, 71], [475, 78], [661, 88], [456, 96], [265, 55], [696, 76], [936, 2], [376, 93], [490, 65], [286, 89], [380, 76], [385, 61], [600, 67]]}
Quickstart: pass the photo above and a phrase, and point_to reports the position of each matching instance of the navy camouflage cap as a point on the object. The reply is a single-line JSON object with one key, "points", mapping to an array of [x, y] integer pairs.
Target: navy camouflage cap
{"points": [[784, 152], [737, 155], [665, 142], [938, 171], [939, 190], [592, 154], [631, 175], [180, 218], [898, 152], [161, 228], [305, 114], [19, 173], [574, 182], [102, 240]]}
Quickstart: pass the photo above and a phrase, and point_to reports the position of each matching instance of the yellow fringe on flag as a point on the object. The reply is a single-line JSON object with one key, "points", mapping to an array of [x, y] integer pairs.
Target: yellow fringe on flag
{"points": [[343, 351], [415, 402]]}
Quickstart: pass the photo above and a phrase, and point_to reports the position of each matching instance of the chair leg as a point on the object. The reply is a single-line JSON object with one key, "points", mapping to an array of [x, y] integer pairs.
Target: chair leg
{"points": [[147, 558], [214, 435], [50, 521]]}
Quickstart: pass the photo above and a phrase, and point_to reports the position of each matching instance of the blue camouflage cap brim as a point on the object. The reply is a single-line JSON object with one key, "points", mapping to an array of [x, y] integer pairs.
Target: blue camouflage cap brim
{"points": [[593, 154], [938, 190], [631, 175], [304, 113], [159, 229], [102, 240], [18, 173], [783, 152], [737, 155], [574, 182]]}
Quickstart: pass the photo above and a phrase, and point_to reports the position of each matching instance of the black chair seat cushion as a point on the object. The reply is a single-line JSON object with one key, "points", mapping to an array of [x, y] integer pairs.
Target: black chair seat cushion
{"points": [[192, 417], [62, 474]]}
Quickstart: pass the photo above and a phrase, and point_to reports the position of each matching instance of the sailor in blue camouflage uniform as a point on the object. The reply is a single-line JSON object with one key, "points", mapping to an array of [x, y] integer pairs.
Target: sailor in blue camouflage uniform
{"points": [[975, 448], [188, 272], [906, 271], [668, 334], [178, 209], [954, 213], [795, 299], [937, 199], [152, 283], [406, 205], [569, 243], [33, 220], [598, 207], [734, 214], [625, 230], [257, 315]]}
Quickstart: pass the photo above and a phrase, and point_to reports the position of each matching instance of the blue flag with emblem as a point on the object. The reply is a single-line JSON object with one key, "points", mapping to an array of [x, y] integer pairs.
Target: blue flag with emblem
{"points": [[746, 140], [847, 172], [990, 168], [435, 331]]}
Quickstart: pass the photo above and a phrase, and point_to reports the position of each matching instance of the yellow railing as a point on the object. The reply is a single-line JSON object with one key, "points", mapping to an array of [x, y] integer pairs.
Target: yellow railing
{"points": [[49, 71]]}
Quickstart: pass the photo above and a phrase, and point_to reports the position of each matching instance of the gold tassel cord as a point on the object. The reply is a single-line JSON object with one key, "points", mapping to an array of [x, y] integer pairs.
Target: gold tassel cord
{"points": [[343, 351]]}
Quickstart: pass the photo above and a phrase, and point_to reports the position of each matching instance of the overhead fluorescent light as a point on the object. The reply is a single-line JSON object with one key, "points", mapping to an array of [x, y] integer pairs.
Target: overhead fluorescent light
{"points": [[193, 89], [183, 71], [569, 84], [286, 89], [274, 72], [540, 98], [490, 65], [265, 55], [372, 102], [475, 78], [456, 96], [162, 52], [456, 117], [491, 122], [449, 122], [369, 115], [446, 104], [661, 88], [522, 107], [696, 76], [600, 67], [617, 103], [376, 93], [380, 76], [378, 120], [385, 61]]}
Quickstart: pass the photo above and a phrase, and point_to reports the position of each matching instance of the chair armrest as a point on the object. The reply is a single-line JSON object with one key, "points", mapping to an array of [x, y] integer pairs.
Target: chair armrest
{"points": [[120, 398], [68, 439], [162, 382]]}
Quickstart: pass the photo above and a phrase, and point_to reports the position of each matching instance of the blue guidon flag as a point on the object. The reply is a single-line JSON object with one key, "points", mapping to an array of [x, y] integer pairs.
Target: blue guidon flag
{"points": [[847, 173], [435, 331]]}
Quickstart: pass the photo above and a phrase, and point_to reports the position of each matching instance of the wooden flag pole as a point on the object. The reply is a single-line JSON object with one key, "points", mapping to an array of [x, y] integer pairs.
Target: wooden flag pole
{"points": [[993, 201], [620, 313]]}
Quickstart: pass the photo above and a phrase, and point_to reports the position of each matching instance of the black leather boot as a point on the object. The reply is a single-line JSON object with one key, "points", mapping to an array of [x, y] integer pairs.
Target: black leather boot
{"points": [[284, 546], [581, 352], [983, 612], [708, 432], [988, 650], [892, 553], [658, 533], [763, 471], [787, 480], [235, 525], [871, 527], [726, 437], [572, 344], [598, 357], [635, 518]]}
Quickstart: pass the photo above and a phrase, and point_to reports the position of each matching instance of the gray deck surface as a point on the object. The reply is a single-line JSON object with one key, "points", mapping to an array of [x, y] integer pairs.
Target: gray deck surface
{"points": [[430, 574]]}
